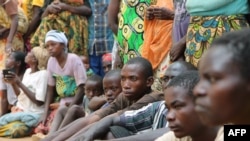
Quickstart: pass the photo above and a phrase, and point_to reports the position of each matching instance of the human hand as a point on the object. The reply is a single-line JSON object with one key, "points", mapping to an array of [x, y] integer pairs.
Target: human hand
{"points": [[150, 13], [11, 78], [162, 13], [177, 51], [54, 8]]}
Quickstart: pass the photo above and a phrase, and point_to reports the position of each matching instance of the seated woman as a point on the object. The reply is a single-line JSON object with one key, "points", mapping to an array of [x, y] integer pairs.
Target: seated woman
{"points": [[66, 75], [13, 24], [16, 63], [32, 92], [68, 16]]}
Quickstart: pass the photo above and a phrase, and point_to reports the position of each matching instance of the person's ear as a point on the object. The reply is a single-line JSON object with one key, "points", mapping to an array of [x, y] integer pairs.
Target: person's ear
{"points": [[150, 81]]}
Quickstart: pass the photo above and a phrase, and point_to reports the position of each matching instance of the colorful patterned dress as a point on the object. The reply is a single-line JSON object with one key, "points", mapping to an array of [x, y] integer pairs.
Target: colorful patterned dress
{"points": [[74, 26], [131, 28], [5, 21]]}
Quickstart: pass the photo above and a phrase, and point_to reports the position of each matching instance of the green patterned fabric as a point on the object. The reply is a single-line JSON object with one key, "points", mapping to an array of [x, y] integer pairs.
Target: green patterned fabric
{"points": [[130, 29], [203, 30], [15, 129], [65, 85]]}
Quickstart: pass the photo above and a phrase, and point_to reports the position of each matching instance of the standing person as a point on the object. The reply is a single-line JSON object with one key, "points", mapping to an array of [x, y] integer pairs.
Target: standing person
{"points": [[225, 80], [209, 20], [128, 27], [158, 37], [13, 24], [33, 11], [70, 17], [16, 63], [100, 35], [31, 93], [66, 73]]}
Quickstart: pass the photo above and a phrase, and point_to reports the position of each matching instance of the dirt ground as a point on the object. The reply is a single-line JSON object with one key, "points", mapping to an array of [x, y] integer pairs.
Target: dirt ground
{"points": [[20, 139]]}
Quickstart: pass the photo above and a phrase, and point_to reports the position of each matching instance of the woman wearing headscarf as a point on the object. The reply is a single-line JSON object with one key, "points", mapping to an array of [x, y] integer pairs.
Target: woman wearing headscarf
{"points": [[13, 24], [66, 73], [31, 93]]}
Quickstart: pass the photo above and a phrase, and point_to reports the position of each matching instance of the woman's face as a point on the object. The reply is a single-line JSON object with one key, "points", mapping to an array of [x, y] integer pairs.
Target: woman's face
{"points": [[54, 48], [222, 93]]}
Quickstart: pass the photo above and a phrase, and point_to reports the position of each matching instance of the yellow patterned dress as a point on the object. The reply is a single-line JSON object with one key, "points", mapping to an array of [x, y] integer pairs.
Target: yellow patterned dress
{"points": [[74, 26], [17, 43]]}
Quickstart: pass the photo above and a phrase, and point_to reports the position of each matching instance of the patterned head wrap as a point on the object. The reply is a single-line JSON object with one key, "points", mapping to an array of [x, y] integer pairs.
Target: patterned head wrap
{"points": [[57, 36]]}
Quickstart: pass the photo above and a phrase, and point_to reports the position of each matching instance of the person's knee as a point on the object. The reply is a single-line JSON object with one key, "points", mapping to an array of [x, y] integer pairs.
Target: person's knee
{"points": [[62, 110]]}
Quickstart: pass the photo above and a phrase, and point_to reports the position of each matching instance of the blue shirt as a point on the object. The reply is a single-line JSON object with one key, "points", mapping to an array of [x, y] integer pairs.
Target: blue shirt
{"points": [[100, 35], [217, 7]]}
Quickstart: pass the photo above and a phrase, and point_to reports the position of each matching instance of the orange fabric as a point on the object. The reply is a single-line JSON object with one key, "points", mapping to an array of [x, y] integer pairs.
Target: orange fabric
{"points": [[157, 36]]}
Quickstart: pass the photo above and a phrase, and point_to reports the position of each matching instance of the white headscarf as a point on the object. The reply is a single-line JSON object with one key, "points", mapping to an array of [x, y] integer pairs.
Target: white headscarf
{"points": [[57, 36]]}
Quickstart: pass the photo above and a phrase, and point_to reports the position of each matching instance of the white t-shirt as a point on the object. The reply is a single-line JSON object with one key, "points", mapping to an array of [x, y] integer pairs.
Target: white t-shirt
{"points": [[37, 83], [11, 96]]}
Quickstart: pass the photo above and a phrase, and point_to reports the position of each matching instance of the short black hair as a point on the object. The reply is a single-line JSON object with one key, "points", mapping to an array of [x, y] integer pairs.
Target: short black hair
{"points": [[95, 78], [145, 65], [114, 72], [237, 43], [20, 56], [186, 80]]}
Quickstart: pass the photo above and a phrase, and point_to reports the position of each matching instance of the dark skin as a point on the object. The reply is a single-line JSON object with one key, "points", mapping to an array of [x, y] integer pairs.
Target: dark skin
{"points": [[34, 23], [17, 84], [222, 83], [10, 63], [182, 118], [113, 10], [160, 13], [177, 50], [134, 86], [56, 50], [57, 7]]}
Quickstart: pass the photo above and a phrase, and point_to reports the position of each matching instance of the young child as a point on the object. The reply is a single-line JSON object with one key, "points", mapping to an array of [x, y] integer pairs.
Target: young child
{"points": [[182, 118], [107, 62], [65, 115], [223, 94], [85, 61]]}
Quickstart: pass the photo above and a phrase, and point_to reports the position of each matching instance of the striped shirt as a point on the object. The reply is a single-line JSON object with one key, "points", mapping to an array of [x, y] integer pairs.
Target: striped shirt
{"points": [[150, 117]]}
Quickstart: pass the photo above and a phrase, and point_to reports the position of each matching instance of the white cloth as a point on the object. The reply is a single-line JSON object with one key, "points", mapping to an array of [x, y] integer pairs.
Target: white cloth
{"points": [[37, 83], [57, 36], [11, 96]]}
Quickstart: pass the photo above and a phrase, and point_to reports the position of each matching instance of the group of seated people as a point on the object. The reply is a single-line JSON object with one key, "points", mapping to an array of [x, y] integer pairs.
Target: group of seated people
{"points": [[54, 99]]}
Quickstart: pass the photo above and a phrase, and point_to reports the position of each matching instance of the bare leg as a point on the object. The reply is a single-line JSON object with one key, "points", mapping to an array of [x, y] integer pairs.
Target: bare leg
{"points": [[73, 113], [58, 119]]}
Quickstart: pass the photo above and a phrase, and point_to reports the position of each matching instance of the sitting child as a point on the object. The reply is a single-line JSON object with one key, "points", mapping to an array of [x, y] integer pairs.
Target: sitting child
{"points": [[15, 62], [31, 93], [112, 88], [65, 114], [107, 62], [85, 61]]}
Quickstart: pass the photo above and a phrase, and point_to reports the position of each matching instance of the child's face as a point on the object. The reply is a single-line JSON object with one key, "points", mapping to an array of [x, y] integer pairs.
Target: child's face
{"points": [[181, 115], [133, 81], [112, 87], [93, 88], [85, 62], [221, 91], [106, 65]]}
